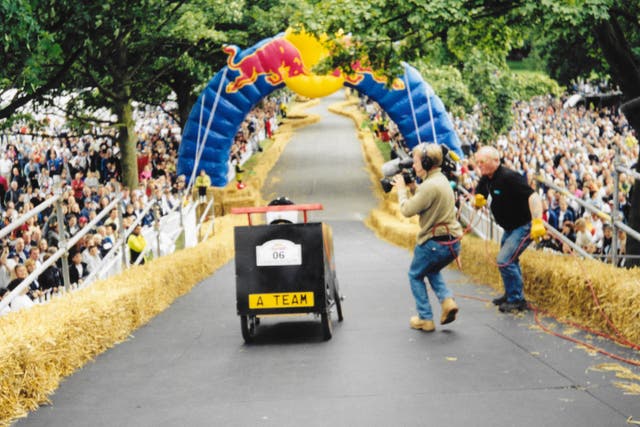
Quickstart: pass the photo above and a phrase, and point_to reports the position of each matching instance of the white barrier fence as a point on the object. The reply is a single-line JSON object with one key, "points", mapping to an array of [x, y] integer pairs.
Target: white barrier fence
{"points": [[162, 238]]}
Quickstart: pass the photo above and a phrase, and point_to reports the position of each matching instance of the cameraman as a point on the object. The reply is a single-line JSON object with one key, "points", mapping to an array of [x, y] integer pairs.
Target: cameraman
{"points": [[438, 239]]}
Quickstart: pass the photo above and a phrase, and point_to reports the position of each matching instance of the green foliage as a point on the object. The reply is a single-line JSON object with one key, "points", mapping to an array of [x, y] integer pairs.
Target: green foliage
{"points": [[385, 149], [490, 37], [36, 50], [572, 55], [493, 86], [447, 82], [527, 84]]}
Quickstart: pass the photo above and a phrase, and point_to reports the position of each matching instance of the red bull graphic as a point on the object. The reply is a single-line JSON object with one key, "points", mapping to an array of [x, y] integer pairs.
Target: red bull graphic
{"points": [[361, 72], [254, 73], [276, 59]]}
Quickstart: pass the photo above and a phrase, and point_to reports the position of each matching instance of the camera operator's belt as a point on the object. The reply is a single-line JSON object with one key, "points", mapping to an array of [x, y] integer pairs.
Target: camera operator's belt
{"points": [[445, 238]]}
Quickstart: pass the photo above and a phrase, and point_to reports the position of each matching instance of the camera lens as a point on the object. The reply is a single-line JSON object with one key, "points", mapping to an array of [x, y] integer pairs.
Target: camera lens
{"points": [[386, 184]]}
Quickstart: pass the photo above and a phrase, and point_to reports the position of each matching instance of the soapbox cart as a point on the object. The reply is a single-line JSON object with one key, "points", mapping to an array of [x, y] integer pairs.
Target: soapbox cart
{"points": [[284, 268]]}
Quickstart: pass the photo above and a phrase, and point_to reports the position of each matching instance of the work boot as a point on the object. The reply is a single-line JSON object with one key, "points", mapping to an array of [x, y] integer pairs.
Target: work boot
{"points": [[423, 324], [500, 300], [449, 311], [513, 307]]}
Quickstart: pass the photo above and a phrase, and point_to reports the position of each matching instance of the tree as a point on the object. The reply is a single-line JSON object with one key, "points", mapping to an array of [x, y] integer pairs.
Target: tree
{"points": [[36, 52], [106, 54], [189, 52], [390, 31]]}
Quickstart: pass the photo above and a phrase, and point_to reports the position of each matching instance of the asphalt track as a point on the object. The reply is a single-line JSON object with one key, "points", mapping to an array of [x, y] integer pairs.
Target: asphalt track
{"points": [[190, 367]]}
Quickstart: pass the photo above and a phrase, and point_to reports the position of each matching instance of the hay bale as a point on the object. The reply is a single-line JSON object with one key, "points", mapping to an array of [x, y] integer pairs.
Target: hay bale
{"points": [[43, 345], [49, 342]]}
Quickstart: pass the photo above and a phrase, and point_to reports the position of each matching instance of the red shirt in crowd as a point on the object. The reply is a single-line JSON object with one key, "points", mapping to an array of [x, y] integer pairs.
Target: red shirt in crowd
{"points": [[77, 185]]}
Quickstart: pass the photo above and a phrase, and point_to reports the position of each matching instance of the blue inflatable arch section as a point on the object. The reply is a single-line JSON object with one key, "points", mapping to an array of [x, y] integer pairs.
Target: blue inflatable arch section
{"points": [[250, 76], [415, 108]]}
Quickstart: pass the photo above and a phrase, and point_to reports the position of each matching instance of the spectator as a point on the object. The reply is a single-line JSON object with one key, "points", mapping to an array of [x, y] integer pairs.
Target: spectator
{"points": [[61, 159], [203, 182], [51, 278], [622, 246], [22, 300], [137, 244], [35, 291], [91, 255], [31, 172], [45, 182], [34, 255], [77, 268], [5, 166], [77, 185], [5, 269], [562, 213], [13, 195], [19, 252], [584, 238], [4, 187], [16, 175]]}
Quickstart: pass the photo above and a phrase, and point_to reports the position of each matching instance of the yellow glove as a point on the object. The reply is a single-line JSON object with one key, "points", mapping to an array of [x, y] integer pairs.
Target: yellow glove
{"points": [[537, 229], [480, 201]]}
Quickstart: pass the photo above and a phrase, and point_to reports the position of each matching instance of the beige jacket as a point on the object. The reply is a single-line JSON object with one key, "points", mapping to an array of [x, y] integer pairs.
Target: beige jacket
{"points": [[434, 202]]}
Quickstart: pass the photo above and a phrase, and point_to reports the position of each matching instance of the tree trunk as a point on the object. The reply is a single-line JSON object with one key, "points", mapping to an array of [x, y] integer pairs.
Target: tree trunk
{"points": [[127, 142], [185, 99], [625, 73]]}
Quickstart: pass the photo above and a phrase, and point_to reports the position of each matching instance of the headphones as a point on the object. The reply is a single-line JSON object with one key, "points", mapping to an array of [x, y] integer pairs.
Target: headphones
{"points": [[428, 162]]}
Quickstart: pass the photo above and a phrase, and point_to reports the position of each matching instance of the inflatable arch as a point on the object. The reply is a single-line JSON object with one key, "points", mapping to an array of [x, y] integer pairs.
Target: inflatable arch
{"points": [[287, 59]]}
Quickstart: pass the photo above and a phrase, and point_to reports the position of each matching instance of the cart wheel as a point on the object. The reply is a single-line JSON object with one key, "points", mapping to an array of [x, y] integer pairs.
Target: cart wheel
{"points": [[248, 325], [338, 300], [327, 327]]}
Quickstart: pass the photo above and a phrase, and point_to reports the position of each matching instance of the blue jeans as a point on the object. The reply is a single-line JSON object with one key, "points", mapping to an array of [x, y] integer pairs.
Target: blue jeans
{"points": [[511, 247], [428, 259]]}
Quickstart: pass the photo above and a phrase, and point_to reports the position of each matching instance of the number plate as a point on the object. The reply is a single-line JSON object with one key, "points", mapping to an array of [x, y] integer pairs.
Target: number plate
{"points": [[281, 300], [278, 252]]}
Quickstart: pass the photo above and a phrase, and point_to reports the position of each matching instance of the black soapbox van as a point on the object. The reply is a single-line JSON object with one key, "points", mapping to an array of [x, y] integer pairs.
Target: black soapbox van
{"points": [[284, 267]]}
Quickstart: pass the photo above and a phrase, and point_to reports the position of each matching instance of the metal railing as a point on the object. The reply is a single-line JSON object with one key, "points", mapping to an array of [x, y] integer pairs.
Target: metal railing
{"points": [[117, 258], [484, 226]]}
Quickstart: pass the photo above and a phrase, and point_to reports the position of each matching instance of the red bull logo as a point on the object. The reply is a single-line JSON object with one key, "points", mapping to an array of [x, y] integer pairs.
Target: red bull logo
{"points": [[276, 59], [361, 72]]}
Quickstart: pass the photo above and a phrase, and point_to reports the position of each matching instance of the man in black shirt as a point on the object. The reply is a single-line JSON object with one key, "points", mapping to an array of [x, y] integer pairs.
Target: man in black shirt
{"points": [[518, 210]]}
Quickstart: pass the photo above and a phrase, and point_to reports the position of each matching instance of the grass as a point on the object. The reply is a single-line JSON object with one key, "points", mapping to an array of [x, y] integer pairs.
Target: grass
{"points": [[384, 147], [526, 65]]}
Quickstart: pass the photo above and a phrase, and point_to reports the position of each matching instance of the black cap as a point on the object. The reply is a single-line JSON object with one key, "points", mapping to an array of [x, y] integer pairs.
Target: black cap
{"points": [[280, 201]]}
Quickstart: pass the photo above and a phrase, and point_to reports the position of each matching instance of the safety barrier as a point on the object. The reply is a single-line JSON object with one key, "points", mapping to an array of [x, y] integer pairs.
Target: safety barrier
{"points": [[483, 225], [162, 239]]}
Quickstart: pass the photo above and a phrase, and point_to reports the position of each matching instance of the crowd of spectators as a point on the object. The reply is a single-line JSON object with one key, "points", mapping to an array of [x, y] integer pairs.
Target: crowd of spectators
{"points": [[86, 172], [573, 148], [260, 124], [576, 149]]}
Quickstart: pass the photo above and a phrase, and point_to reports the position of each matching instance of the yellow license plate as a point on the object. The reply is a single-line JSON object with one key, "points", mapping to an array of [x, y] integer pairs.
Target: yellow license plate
{"points": [[281, 300]]}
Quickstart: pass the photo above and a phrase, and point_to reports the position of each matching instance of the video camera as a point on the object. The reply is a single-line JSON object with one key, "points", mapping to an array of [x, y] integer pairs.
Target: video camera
{"points": [[394, 167], [405, 166]]}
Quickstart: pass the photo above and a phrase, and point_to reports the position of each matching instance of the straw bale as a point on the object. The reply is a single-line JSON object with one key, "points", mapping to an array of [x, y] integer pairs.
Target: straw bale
{"points": [[390, 228], [48, 342], [43, 345]]}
